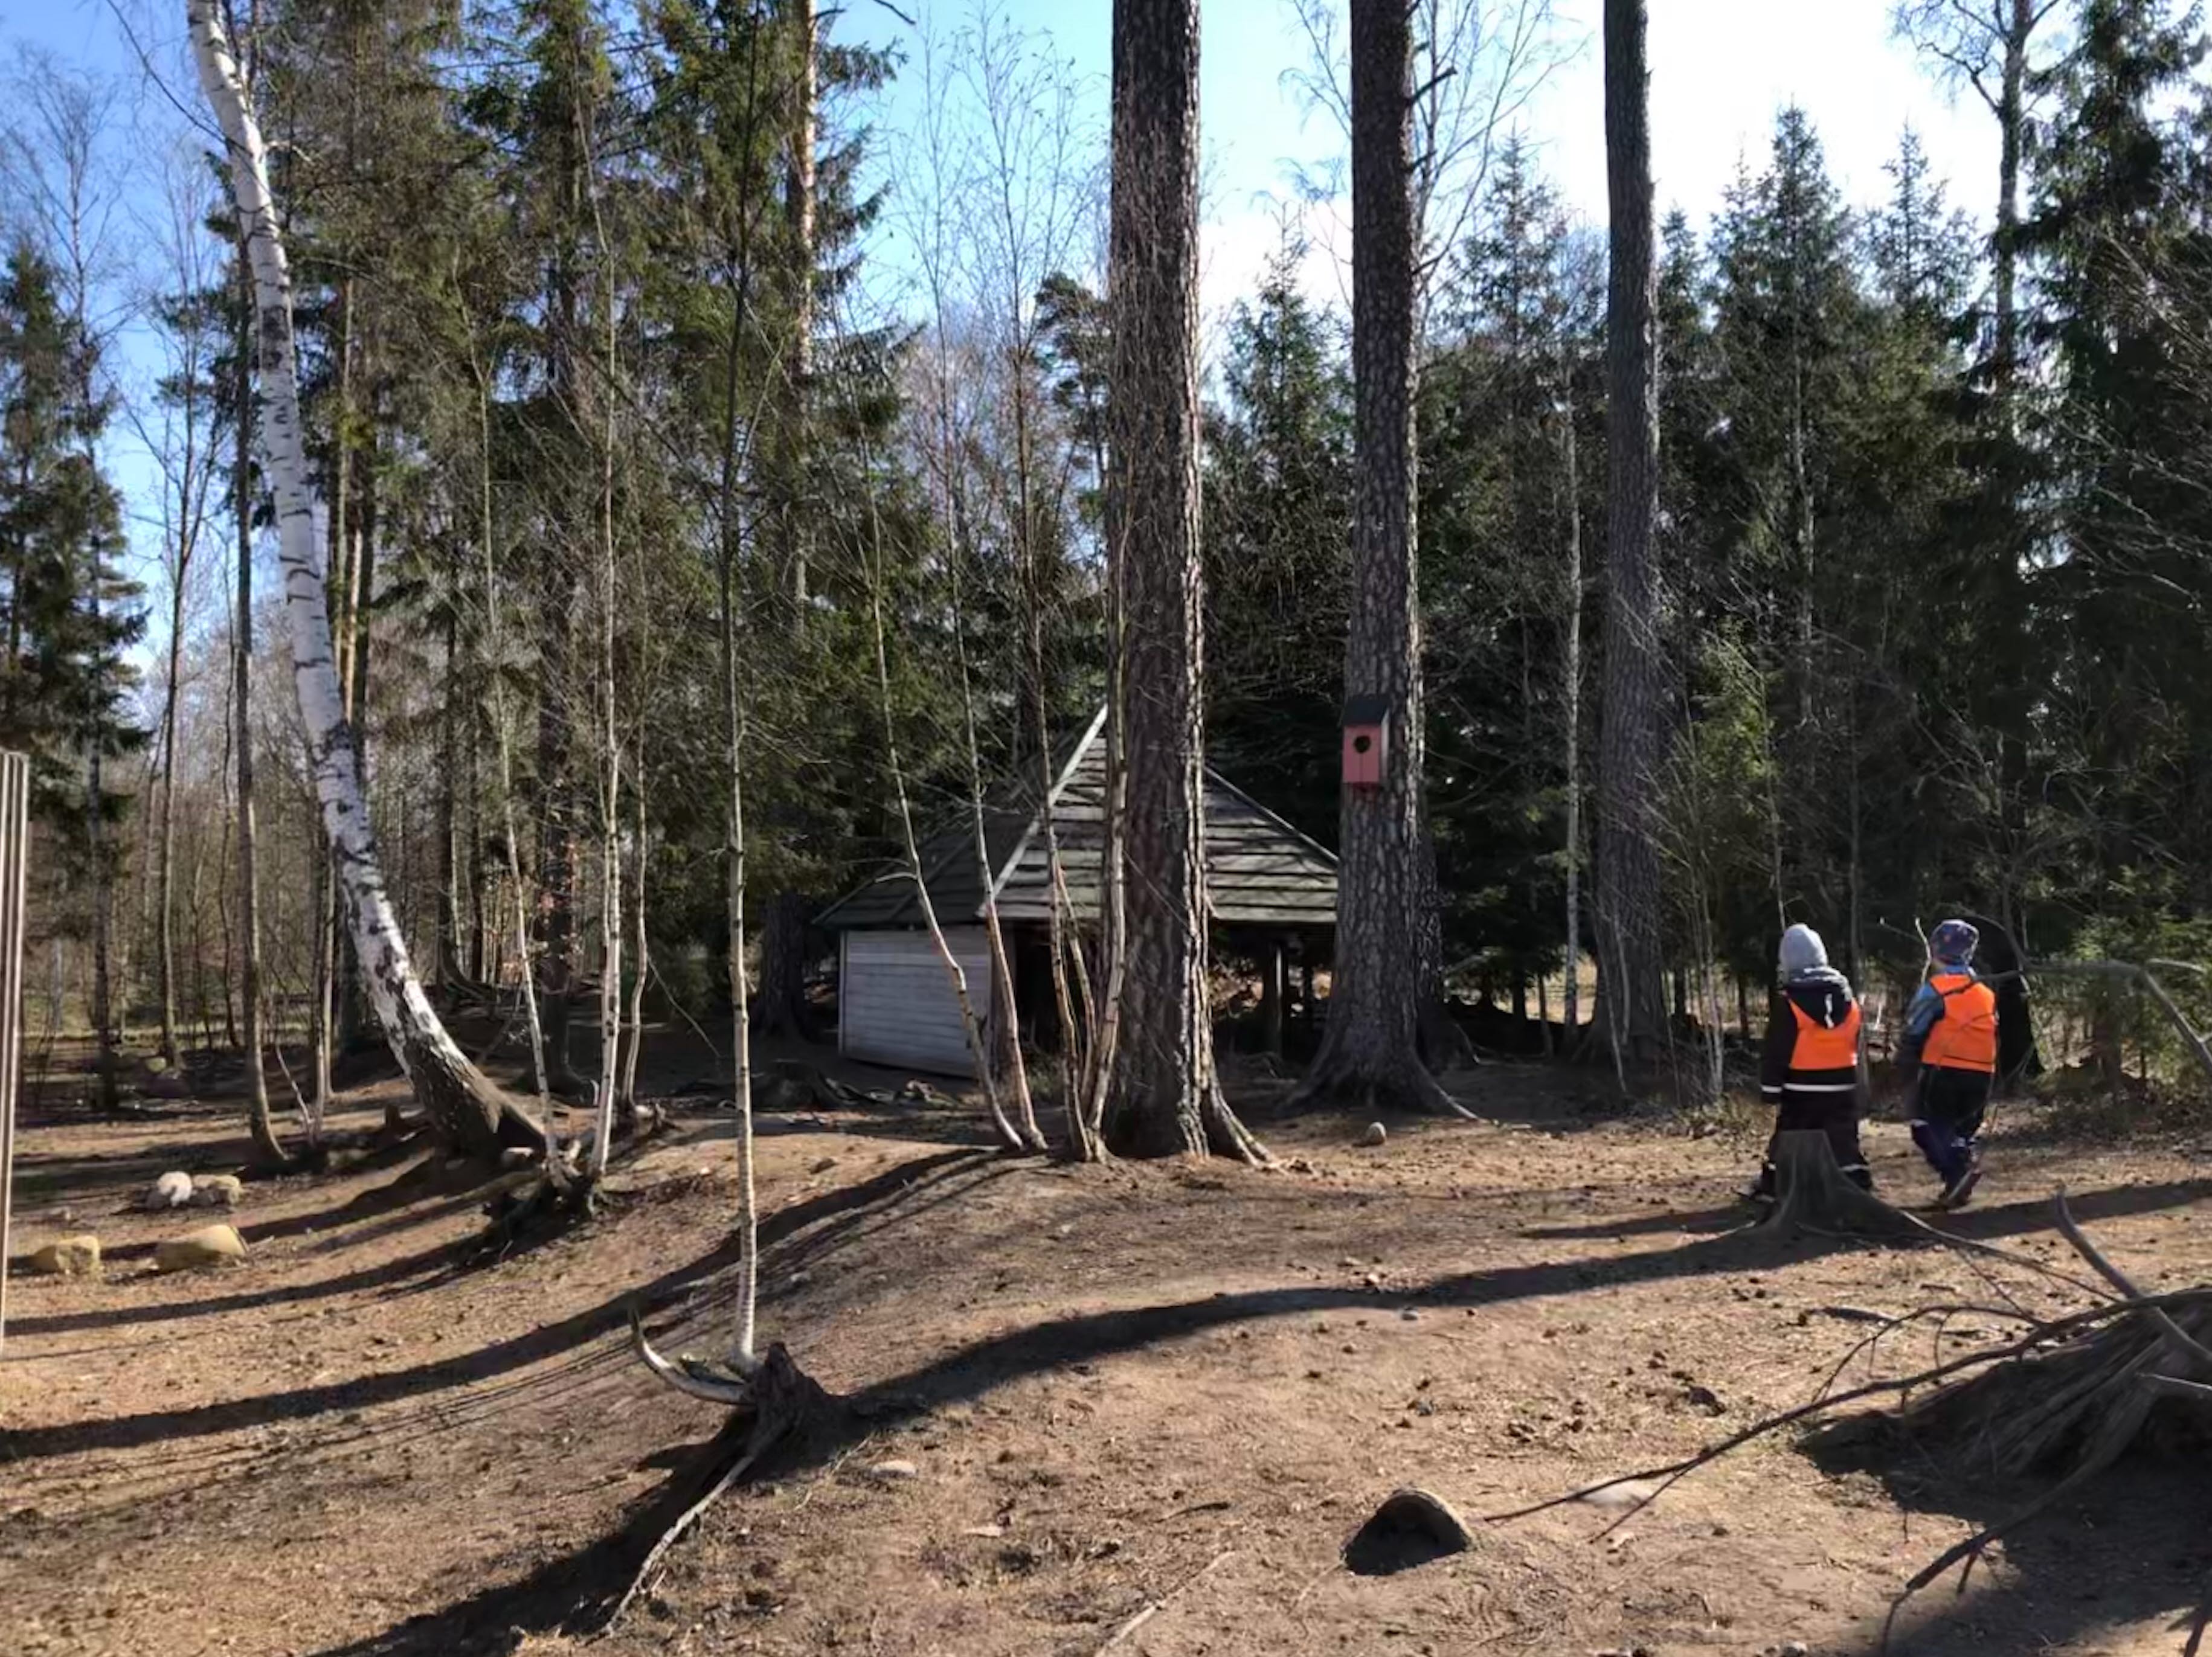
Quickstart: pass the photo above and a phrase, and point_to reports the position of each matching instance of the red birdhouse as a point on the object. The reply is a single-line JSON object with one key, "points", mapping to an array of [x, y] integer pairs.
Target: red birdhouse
{"points": [[1366, 741]]}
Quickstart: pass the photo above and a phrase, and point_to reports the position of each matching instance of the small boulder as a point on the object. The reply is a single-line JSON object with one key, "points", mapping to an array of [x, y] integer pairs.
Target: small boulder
{"points": [[211, 1245], [218, 1191], [1622, 1494], [1376, 1134], [1411, 1528], [173, 1190], [67, 1257], [892, 1472]]}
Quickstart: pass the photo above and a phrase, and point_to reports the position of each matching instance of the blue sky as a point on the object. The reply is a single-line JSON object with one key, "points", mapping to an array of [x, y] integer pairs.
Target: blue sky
{"points": [[1721, 71]]}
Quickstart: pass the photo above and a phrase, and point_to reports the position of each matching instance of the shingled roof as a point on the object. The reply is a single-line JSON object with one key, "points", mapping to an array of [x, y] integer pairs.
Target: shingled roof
{"points": [[1259, 870]]}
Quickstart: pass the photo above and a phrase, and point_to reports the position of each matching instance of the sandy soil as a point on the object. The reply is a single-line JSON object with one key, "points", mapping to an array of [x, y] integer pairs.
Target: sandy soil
{"points": [[1174, 1387]]}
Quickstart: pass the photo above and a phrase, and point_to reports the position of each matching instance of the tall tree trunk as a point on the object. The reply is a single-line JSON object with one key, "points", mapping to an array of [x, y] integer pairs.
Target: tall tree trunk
{"points": [[360, 577], [164, 900], [1570, 695], [463, 1107], [1628, 884], [779, 1005], [510, 835], [1167, 1097], [2012, 134], [1371, 1056], [800, 210], [640, 939], [259, 1122], [448, 969], [610, 936]]}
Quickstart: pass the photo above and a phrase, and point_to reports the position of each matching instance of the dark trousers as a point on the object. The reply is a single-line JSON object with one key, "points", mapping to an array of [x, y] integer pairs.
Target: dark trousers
{"points": [[1835, 1114], [1948, 1120]]}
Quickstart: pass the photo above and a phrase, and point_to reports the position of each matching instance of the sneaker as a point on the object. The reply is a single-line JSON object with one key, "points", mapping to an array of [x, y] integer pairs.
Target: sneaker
{"points": [[1960, 1191]]}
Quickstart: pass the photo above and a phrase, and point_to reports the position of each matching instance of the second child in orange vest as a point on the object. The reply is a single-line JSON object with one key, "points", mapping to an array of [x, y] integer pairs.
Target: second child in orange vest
{"points": [[1809, 1065], [1948, 1058]]}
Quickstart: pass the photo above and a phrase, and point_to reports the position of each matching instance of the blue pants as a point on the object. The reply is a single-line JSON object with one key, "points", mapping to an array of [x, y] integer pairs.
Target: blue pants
{"points": [[1947, 1122]]}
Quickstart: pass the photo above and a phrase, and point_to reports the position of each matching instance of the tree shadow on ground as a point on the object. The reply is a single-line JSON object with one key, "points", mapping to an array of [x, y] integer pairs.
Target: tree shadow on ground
{"points": [[1986, 1224], [2133, 1546], [574, 1591], [23, 1445]]}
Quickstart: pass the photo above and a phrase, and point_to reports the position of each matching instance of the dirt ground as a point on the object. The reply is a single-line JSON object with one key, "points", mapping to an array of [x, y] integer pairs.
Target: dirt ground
{"points": [[1099, 1391]]}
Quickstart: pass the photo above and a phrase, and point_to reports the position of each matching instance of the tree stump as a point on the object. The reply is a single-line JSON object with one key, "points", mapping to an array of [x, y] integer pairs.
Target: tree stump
{"points": [[1812, 1194]]}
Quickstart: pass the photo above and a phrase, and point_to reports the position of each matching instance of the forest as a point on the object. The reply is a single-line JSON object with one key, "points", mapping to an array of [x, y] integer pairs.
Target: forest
{"points": [[668, 627]]}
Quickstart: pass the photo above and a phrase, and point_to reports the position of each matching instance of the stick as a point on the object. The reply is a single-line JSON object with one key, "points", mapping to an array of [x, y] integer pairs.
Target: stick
{"points": [[2174, 1387], [1973, 1547], [15, 853], [684, 1520], [2041, 1335], [2176, 1336], [1121, 1633]]}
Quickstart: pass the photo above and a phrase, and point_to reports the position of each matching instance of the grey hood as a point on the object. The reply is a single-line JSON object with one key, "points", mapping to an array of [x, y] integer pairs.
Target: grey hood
{"points": [[1804, 954]]}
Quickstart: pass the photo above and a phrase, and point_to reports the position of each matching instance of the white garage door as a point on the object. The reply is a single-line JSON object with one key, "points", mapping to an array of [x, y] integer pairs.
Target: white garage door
{"points": [[896, 1005]]}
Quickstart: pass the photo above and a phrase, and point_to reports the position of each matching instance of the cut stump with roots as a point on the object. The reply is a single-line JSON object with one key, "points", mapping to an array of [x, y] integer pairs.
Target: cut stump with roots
{"points": [[1812, 1194], [776, 1405]]}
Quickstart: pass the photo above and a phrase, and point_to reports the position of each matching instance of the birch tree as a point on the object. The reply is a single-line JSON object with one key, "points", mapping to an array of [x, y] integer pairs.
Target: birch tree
{"points": [[462, 1105]]}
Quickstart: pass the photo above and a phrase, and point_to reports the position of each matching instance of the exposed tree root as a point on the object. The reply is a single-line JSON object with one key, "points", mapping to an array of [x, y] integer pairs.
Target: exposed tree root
{"points": [[1404, 1087], [2071, 1394], [778, 1404], [1812, 1194], [540, 1203], [1226, 1135]]}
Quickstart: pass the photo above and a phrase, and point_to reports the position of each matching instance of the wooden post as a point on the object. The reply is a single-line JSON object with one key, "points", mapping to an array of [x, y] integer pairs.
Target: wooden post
{"points": [[15, 853], [1271, 996]]}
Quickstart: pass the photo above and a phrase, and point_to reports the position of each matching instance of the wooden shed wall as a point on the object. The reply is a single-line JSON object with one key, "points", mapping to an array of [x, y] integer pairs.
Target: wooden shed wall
{"points": [[895, 1004]]}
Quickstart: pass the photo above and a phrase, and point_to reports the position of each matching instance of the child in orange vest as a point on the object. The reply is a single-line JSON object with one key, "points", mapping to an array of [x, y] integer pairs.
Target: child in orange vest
{"points": [[1809, 1065], [1949, 1061]]}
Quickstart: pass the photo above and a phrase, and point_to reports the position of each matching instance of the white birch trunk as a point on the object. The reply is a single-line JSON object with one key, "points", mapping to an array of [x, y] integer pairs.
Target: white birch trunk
{"points": [[461, 1105]]}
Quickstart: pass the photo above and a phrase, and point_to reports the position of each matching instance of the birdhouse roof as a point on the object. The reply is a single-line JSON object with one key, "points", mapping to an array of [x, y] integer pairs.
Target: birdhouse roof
{"points": [[1259, 870], [1366, 710]]}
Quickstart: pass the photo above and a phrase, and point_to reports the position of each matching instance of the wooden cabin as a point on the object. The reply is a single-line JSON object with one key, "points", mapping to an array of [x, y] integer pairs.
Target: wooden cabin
{"points": [[1271, 893]]}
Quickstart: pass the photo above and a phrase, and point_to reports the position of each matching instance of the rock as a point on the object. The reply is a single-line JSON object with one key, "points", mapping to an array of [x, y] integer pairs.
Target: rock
{"points": [[173, 1190], [824, 1166], [1628, 1493], [1376, 1134], [1412, 1527], [218, 1191], [891, 1472], [1795, 1648], [515, 1156], [67, 1257], [211, 1245]]}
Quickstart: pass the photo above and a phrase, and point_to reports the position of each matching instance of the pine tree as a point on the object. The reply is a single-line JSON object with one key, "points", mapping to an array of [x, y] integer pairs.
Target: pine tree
{"points": [[70, 615], [1279, 472]]}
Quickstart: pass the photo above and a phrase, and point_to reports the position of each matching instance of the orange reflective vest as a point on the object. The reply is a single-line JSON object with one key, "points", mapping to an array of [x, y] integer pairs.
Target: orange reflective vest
{"points": [[1965, 1036], [1822, 1047]]}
